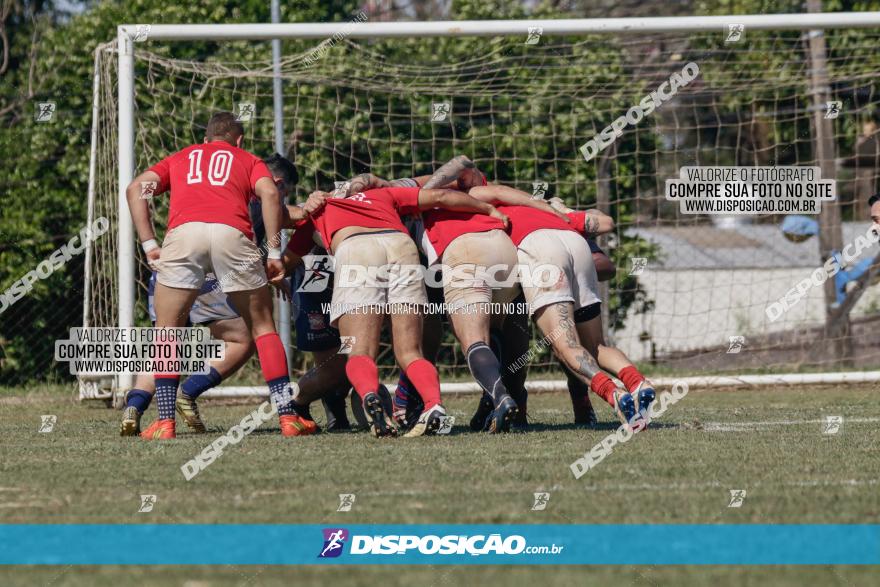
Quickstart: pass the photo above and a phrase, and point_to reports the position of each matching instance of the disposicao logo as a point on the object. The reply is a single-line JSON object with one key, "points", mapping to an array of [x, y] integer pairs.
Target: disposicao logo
{"points": [[334, 541]]}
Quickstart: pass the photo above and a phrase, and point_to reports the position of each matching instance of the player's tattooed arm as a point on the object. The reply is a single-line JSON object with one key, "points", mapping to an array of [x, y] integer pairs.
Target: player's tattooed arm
{"points": [[458, 201], [514, 197], [362, 183], [597, 222], [449, 172], [557, 204]]}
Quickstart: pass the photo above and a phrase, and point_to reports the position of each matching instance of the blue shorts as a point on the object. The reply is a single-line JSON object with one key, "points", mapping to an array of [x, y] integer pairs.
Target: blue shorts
{"points": [[312, 323], [211, 305]]}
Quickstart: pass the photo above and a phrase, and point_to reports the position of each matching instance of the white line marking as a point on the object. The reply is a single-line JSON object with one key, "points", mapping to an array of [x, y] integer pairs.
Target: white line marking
{"points": [[751, 426], [716, 484]]}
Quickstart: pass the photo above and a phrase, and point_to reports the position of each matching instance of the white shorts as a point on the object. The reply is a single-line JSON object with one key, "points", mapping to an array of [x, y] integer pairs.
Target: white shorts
{"points": [[577, 281], [376, 269], [472, 258], [192, 250]]}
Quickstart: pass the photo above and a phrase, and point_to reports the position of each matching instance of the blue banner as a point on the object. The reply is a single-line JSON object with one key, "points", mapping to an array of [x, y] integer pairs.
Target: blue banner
{"points": [[426, 544]]}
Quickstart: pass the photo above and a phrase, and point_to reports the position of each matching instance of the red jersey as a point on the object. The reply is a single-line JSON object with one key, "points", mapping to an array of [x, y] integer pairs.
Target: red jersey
{"points": [[444, 226], [378, 208], [210, 182], [525, 220]]}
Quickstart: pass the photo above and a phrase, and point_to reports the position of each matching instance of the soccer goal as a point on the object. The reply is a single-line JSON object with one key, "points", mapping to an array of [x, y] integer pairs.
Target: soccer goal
{"points": [[526, 100]]}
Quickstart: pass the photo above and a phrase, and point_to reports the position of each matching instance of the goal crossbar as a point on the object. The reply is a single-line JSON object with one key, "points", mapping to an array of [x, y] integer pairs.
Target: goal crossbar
{"points": [[488, 28]]}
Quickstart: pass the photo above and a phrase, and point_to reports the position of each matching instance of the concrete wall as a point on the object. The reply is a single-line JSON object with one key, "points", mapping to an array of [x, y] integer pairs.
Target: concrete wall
{"points": [[696, 309]]}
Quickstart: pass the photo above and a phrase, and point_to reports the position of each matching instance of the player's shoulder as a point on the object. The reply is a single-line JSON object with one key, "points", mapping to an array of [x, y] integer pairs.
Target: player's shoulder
{"points": [[184, 152]]}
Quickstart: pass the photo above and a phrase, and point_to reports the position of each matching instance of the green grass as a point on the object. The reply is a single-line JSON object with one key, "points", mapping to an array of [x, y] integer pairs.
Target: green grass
{"points": [[768, 442]]}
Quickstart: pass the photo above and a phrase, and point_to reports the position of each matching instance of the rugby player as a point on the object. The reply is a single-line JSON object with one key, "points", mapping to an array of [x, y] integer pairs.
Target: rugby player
{"points": [[364, 231], [313, 293], [458, 173], [578, 391], [469, 246], [209, 229], [568, 311], [311, 289], [211, 309], [513, 341]]}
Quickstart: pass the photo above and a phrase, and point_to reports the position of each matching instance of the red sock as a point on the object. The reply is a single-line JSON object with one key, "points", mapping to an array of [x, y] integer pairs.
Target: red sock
{"points": [[273, 361], [630, 377], [363, 374], [426, 381], [602, 386]]}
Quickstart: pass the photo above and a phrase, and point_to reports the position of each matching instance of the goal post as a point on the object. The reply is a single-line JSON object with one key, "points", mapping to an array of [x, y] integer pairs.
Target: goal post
{"points": [[125, 234], [627, 28]]}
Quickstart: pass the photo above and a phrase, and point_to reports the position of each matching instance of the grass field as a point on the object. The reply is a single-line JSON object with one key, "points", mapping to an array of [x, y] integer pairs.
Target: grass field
{"points": [[768, 442]]}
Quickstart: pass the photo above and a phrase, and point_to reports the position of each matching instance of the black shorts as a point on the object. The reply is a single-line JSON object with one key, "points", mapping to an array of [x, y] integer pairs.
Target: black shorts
{"points": [[594, 247], [313, 330], [587, 313]]}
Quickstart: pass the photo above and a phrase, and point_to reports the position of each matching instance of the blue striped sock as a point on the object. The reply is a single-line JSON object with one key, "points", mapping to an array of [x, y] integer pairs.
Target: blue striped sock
{"points": [[281, 395], [197, 384], [404, 392], [166, 396]]}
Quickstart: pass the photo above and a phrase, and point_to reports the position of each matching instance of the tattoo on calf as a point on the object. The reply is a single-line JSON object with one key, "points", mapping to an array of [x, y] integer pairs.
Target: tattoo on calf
{"points": [[587, 365]]}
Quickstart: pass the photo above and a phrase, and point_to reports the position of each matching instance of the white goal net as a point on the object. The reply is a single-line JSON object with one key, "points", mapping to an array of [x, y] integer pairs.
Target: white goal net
{"points": [[691, 290]]}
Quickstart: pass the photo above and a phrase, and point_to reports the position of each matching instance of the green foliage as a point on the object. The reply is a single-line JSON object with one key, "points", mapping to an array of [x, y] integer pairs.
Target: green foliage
{"points": [[44, 167]]}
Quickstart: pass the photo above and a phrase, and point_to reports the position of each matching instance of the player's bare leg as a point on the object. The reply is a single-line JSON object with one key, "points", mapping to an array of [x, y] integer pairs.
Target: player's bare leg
{"points": [[406, 336], [408, 405], [614, 361], [172, 307], [363, 373], [557, 323], [239, 346], [255, 307], [579, 392]]}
